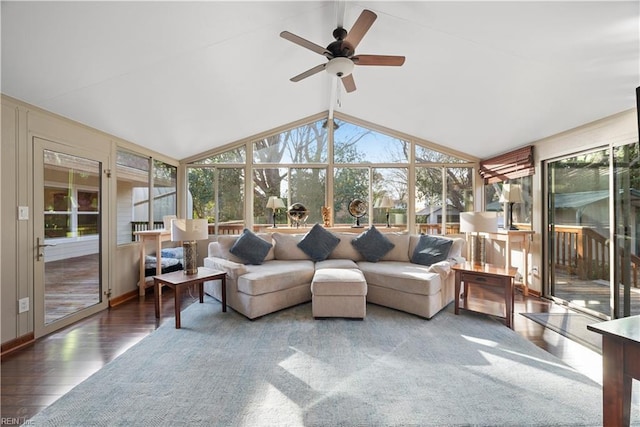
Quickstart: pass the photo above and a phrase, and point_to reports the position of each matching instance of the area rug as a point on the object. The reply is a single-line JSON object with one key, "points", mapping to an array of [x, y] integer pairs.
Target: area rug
{"points": [[287, 369], [571, 325]]}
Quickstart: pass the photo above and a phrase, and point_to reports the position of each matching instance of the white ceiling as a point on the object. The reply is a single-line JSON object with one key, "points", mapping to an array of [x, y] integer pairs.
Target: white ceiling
{"points": [[184, 77]]}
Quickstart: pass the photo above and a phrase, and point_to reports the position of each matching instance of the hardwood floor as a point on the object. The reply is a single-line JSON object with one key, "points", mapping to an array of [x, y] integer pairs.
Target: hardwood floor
{"points": [[35, 376]]}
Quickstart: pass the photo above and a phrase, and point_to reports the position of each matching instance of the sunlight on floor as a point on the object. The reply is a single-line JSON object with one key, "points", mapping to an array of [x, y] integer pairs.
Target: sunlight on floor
{"points": [[269, 406]]}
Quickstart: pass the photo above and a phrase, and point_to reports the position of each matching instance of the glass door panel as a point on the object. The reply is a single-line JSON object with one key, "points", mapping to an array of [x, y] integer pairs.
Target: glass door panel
{"points": [[67, 227], [594, 199], [579, 226], [626, 166]]}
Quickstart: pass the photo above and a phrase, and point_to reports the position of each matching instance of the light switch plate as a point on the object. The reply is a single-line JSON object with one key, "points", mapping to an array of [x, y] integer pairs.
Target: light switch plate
{"points": [[23, 213], [23, 305]]}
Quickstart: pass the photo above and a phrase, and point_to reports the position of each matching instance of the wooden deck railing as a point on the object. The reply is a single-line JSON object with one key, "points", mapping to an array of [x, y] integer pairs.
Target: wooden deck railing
{"points": [[144, 226], [584, 252]]}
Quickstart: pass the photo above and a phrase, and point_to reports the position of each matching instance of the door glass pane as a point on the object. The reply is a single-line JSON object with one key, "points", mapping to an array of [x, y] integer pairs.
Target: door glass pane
{"points": [[72, 234], [627, 229], [579, 231]]}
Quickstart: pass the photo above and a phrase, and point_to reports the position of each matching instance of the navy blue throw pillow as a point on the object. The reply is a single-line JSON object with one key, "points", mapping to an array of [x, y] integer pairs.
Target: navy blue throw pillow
{"points": [[431, 249], [250, 248], [318, 243], [372, 244]]}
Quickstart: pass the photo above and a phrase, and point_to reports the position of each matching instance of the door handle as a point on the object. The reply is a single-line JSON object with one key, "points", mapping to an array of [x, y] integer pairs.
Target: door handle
{"points": [[39, 246]]}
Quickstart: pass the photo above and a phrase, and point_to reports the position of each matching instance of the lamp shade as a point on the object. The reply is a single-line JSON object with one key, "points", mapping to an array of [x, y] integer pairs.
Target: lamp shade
{"points": [[187, 230], [384, 203], [478, 222], [275, 202], [511, 193]]}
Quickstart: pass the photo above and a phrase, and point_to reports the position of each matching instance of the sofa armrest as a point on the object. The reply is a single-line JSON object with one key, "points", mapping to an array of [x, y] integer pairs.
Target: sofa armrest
{"points": [[214, 250], [233, 269], [442, 268]]}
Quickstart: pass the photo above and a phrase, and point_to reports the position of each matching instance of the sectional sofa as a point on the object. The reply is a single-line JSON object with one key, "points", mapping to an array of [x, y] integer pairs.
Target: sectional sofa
{"points": [[398, 268]]}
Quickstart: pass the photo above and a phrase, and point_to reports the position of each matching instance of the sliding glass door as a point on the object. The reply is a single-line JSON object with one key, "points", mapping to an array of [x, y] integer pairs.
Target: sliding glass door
{"points": [[594, 200]]}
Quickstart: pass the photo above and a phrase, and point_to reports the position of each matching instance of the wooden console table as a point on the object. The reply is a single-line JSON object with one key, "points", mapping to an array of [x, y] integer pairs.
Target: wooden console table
{"points": [[511, 237], [620, 365], [485, 275], [157, 236]]}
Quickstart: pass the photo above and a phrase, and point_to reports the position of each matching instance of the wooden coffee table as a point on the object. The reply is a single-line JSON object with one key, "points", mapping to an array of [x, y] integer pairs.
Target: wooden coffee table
{"points": [[485, 275], [178, 280]]}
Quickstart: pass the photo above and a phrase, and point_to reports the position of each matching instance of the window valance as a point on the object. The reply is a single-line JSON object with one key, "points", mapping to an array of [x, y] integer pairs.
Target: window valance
{"points": [[514, 164]]}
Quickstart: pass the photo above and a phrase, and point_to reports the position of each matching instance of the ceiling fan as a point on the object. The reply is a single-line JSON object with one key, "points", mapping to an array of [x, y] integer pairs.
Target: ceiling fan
{"points": [[342, 52]]}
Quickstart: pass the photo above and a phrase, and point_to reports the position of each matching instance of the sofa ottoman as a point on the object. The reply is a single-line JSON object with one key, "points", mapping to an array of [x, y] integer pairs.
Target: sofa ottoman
{"points": [[339, 292]]}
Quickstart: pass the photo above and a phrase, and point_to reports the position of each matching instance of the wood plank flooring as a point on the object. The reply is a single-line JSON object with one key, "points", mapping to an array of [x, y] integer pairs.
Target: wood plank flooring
{"points": [[36, 376]]}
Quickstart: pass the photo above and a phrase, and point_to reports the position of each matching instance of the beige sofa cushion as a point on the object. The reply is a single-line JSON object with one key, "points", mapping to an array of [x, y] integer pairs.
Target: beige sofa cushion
{"points": [[402, 276], [338, 281], [286, 247], [275, 276], [336, 263], [400, 252], [345, 250]]}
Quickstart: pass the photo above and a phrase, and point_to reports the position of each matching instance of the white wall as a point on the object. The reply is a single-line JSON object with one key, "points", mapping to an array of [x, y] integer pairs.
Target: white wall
{"points": [[20, 124], [619, 129]]}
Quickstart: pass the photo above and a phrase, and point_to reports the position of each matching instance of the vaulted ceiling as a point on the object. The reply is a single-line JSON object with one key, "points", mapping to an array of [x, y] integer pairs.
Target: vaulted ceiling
{"points": [[183, 77]]}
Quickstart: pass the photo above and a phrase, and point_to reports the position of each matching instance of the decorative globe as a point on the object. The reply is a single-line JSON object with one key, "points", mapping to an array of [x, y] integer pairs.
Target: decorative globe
{"points": [[298, 213], [357, 209]]}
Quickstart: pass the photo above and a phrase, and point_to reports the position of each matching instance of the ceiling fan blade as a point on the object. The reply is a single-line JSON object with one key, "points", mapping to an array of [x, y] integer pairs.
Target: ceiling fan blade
{"points": [[360, 28], [349, 83], [378, 60], [304, 43], [308, 73]]}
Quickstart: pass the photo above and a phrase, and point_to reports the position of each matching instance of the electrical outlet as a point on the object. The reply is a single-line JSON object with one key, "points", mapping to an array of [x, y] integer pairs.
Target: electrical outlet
{"points": [[23, 305], [534, 270]]}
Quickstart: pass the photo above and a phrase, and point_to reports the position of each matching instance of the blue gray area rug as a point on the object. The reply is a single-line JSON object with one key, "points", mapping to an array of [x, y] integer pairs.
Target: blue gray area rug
{"points": [[287, 369], [571, 325]]}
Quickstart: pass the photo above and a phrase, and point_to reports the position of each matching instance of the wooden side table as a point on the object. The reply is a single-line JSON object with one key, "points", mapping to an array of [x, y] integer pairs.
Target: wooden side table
{"points": [[156, 236], [620, 364], [178, 280], [485, 275]]}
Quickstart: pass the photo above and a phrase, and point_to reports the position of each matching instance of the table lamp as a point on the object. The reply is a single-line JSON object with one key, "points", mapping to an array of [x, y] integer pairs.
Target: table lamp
{"points": [[274, 203], [385, 203], [188, 231], [511, 193], [478, 222]]}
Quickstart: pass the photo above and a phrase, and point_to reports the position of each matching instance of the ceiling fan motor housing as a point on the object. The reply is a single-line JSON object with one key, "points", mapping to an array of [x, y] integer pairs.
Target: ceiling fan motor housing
{"points": [[340, 66]]}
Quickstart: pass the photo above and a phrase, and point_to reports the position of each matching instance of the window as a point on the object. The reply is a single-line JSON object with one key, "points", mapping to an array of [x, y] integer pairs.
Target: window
{"points": [[293, 185], [521, 211], [355, 144], [217, 194], [296, 166], [441, 194], [135, 208], [304, 144]]}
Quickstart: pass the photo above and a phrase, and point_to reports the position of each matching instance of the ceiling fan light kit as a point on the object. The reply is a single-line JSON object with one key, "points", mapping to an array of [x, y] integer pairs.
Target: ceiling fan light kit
{"points": [[340, 66], [341, 53]]}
